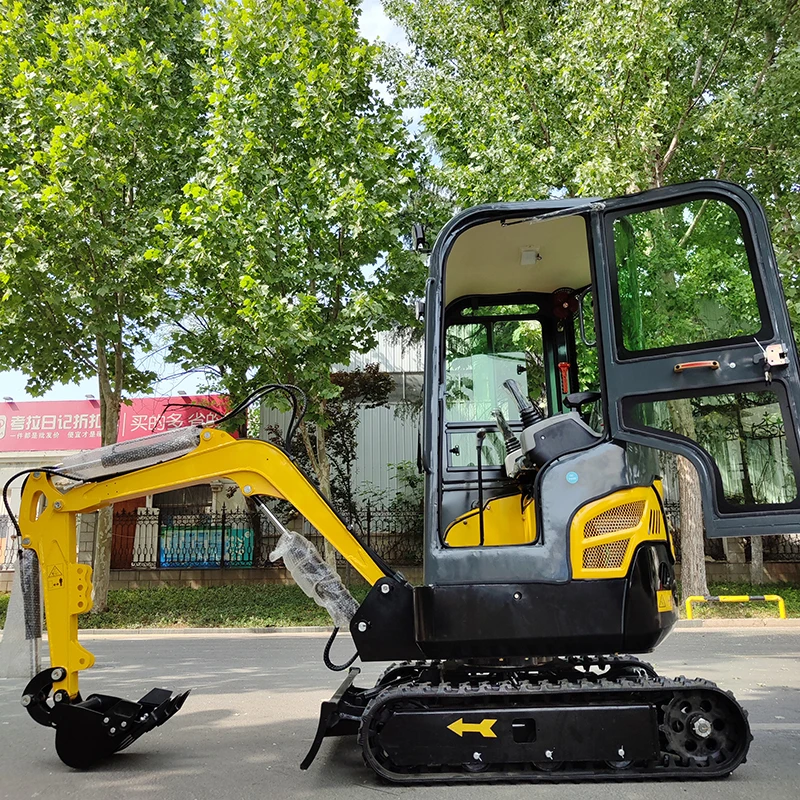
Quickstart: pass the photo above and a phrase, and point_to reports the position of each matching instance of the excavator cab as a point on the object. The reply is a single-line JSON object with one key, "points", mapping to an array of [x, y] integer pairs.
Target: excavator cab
{"points": [[572, 349], [571, 346]]}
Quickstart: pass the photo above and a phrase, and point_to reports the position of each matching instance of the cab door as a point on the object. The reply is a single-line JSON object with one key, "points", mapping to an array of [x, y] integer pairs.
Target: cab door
{"points": [[697, 352]]}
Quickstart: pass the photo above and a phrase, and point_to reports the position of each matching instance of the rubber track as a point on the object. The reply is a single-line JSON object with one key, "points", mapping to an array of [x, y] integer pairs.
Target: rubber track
{"points": [[669, 767]]}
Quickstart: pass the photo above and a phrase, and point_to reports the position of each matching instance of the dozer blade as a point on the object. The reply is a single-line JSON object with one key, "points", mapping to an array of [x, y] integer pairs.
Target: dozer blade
{"points": [[90, 730]]}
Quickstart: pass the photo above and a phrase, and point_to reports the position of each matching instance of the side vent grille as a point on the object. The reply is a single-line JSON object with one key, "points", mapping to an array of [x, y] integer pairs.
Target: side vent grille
{"points": [[621, 518], [655, 522], [609, 524], [605, 556]]}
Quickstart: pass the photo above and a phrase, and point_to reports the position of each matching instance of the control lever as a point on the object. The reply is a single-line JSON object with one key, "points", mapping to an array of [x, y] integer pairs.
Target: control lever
{"points": [[528, 412], [510, 439], [514, 458]]}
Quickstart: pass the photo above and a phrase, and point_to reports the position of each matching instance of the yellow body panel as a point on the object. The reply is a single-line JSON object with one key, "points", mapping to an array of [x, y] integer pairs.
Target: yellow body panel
{"points": [[658, 485], [664, 597], [48, 524], [605, 533], [506, 520]]}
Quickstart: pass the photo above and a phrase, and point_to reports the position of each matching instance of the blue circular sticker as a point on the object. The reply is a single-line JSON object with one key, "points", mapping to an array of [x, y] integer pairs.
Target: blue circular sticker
{"points": [[572, 477]]}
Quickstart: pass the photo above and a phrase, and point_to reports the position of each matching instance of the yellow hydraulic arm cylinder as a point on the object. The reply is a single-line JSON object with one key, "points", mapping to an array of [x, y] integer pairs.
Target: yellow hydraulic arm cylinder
{"points": [[48, 524]]}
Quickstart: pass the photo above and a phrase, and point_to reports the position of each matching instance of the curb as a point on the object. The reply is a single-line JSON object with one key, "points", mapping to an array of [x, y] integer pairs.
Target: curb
{"points": [[683, 624], [750, 622], [202, 631]]}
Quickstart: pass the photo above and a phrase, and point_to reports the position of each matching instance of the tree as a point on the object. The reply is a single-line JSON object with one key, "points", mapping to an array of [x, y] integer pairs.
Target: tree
{"points": [[97, 134], [291, 229], [524, 99], [359, 388]]}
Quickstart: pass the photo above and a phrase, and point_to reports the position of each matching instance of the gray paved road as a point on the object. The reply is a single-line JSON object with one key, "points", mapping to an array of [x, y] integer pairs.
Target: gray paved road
{"points": [[253, 712]]}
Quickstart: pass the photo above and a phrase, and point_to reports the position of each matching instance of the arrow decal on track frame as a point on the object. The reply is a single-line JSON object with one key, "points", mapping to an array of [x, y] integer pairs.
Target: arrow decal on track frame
{"points": [[484, 728]]}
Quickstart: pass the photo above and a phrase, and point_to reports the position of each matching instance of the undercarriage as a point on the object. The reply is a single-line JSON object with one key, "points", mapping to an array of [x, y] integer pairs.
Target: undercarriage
{"points": [[592, 718]]}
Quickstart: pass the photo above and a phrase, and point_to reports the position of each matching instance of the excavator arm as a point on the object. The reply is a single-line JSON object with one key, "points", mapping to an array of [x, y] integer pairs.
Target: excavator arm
{"points": [[48, 526]]}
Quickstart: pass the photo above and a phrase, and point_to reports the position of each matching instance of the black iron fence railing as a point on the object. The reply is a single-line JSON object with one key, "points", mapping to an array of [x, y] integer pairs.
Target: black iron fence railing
{"points": [[784, 548], [200, 539], [185, 538]]}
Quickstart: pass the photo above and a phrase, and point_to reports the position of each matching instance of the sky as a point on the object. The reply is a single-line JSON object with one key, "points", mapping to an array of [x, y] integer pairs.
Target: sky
{"points": [[374, 25]]}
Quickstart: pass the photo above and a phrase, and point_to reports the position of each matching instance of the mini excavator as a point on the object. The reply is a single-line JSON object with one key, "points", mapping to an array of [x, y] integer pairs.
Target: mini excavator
{"points": [[573, 347]]}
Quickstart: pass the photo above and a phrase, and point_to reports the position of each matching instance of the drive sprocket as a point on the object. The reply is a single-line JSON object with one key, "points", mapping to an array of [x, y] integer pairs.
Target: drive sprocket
{"points": [[699, 728]]}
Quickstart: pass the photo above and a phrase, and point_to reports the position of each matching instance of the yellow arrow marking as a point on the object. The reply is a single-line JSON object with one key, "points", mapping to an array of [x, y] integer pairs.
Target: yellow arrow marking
{"points": [[484, 728]]}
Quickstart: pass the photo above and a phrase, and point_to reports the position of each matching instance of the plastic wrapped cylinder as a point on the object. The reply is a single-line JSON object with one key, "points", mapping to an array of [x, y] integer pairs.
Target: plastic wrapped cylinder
{"points": [[135, 454], [315, 577]]}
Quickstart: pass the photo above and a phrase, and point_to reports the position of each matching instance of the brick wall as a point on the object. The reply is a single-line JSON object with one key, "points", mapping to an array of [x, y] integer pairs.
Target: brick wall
{"points": [[196, 578], [150, 578], [776, 572]]}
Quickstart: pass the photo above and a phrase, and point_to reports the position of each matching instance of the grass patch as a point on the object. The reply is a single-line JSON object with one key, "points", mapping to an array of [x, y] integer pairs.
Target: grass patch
{"points": [[264, 606], [273, 605], [751, 610]]}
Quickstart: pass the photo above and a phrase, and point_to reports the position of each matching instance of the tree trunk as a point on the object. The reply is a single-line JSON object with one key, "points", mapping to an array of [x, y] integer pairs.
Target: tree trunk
{"points": [[756, 560], [322, 467], [693, 560], [110, 399], [101, 571], [324, 475]]}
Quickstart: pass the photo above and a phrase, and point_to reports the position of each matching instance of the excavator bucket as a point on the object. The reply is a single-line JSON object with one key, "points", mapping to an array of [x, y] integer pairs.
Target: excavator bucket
{"points": [[87, 731]]}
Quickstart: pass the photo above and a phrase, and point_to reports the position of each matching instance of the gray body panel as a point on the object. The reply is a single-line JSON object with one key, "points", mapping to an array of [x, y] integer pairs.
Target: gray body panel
{"points": [[599, 470]]}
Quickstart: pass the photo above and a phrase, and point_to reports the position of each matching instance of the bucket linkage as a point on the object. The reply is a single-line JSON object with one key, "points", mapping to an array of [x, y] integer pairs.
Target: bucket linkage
{"points": [[90, 730]]}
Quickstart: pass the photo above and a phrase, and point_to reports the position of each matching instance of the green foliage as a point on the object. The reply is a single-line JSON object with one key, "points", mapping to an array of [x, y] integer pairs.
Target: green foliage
{"points": [[410, 494], [290, 230], [4, 598], [268, 605], [359, 388], [527, 99], [97, 129], [684, 276]]}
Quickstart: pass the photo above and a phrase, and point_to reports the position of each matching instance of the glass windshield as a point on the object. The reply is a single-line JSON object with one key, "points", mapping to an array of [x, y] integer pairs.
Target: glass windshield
{"points": [[683, 276], [481, 355]]}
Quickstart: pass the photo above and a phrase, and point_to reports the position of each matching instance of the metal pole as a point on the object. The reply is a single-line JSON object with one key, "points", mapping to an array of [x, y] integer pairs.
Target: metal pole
{"points": [[480, 436], [222, 539]]}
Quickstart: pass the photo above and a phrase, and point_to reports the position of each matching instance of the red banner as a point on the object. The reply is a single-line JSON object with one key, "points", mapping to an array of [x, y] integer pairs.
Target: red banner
{"points": [[75, 424]]}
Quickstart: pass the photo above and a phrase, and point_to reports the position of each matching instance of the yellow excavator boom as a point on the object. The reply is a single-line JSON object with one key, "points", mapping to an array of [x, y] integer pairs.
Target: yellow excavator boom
{"points": [[48, 525]]}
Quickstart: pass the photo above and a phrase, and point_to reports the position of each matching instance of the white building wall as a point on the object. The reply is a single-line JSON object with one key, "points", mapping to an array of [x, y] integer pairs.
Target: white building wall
{"points": [[392, 353], [11, 463], [382, 439]]}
